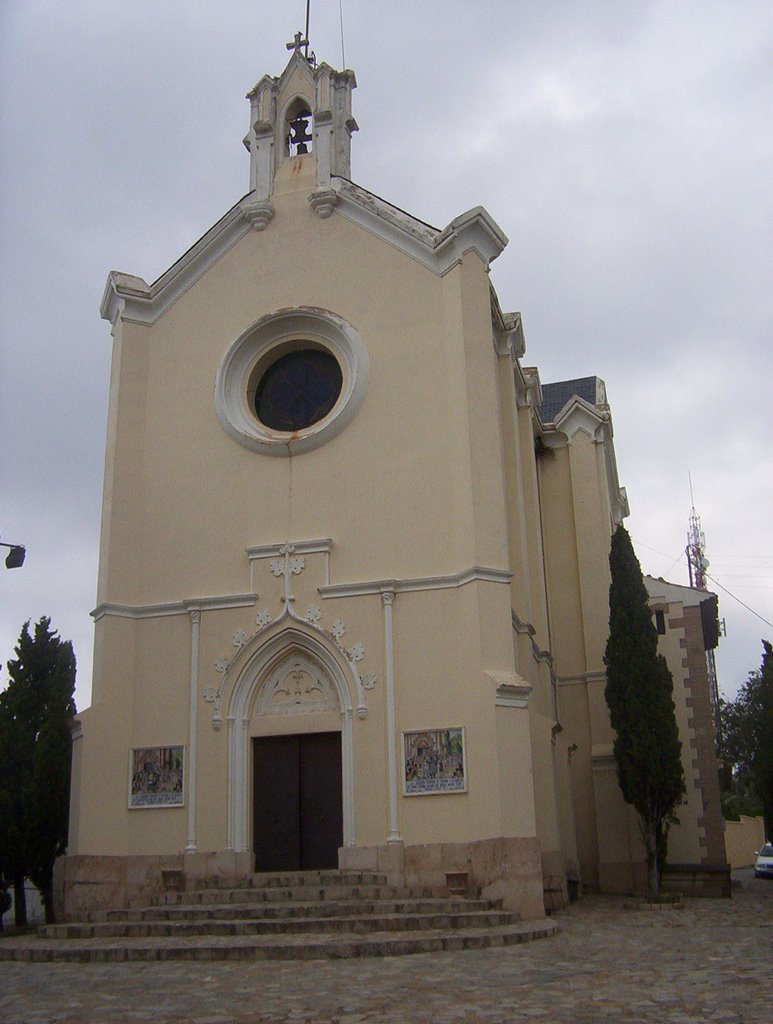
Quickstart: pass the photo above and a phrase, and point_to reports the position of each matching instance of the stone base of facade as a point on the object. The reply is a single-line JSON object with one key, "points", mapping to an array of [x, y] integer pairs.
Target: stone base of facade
{"points": [[560, 880], [86, 884], [688, 879], [509, 869], [624, 878], [697, 880]]}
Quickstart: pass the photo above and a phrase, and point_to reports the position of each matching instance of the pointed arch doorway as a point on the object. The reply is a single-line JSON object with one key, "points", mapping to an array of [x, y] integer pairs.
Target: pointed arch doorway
{"points": [[297, 801], [291, 785]]}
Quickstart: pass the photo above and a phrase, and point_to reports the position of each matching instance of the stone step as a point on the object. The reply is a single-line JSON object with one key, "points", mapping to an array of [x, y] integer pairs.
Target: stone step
{"points": [[293, 879], [359, 924], [285, 947], [295, 915], [277, 894], [288, 910]]}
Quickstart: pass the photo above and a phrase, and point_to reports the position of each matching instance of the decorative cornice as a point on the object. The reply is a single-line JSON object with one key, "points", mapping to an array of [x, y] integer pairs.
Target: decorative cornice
{"points": [[511, 690], [185, 607], [576, 414], [513, 696], [302, 547], [526, 629], [509, 338], [474, 229], [594, 421], [131, 299], [459, 579], [603, 759], [530, 390], [582, 678], [258, 213], [324, 202], [438, 251]]}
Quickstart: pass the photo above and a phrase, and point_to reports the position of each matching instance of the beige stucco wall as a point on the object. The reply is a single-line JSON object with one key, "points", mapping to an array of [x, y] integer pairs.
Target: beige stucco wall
{"points": [[497, 561], [577, 529], [399, 491], [177, 468]]}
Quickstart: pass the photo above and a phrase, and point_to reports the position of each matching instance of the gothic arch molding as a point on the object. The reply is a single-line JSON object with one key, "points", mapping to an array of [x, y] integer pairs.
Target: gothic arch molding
{"points": [[251, 679]]}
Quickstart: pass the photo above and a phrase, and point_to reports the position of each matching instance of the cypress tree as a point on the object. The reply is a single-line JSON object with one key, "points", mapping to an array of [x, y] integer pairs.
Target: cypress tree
{"points": [[639, 693], [36, 710]]}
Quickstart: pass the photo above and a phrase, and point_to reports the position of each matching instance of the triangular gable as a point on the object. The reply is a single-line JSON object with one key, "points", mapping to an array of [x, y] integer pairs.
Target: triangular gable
{"points": [[131, 298]]}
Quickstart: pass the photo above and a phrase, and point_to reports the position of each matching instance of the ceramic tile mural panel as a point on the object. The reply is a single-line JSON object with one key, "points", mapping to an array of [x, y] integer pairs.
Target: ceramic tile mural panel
{"points": [[156, 777], [434, 762]]}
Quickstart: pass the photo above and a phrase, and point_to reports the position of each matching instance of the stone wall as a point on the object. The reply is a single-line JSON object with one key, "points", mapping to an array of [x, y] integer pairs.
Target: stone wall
{"points": [[742, 840], [509, 869], [85, 885]]}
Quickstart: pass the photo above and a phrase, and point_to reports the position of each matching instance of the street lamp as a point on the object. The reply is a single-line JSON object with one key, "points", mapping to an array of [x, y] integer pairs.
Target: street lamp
{"points": [[15, 557]]}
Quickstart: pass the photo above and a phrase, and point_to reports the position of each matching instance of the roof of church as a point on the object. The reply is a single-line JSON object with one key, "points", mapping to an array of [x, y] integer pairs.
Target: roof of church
{"points": [[555, 396]]}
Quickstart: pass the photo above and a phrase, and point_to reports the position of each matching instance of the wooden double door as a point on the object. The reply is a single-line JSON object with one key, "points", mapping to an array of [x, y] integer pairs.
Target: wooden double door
{"points": [[297, 801]]}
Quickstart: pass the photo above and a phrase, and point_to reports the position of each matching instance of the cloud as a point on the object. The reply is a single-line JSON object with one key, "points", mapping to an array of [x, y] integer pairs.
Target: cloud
{"points": [[623, 148]]}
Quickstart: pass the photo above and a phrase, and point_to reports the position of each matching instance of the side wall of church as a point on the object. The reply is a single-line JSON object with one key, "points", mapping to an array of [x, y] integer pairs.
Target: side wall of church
{"points": [[531, 640], [577, 526]]}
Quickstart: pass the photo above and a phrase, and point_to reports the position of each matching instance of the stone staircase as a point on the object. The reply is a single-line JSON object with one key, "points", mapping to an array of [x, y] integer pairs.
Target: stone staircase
{"points": [[301, 916]]}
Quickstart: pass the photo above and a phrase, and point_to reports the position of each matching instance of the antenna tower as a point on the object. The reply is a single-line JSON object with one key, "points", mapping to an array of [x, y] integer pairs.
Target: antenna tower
{"points": [[697, 564]]}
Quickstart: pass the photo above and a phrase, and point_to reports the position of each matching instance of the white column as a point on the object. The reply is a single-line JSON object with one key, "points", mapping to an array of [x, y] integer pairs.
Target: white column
{"points": [[244, 843], [232, 786], [193, 717], [387, 600], [347, 754]]}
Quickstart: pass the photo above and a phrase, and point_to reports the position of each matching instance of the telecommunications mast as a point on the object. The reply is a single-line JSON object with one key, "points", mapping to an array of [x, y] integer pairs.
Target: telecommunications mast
{"points": [[697, 564]]}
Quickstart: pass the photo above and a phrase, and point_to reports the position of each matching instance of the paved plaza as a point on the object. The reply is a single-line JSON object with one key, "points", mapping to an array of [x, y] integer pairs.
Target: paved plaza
{"points": [[707, 962]]}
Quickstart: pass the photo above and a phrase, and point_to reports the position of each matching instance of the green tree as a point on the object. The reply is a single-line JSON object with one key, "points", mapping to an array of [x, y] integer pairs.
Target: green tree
{"points": [[747, 737], [36, 710], [639, 696]]}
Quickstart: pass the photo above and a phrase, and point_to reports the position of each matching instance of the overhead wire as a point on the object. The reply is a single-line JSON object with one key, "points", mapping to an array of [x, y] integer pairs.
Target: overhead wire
{"points": [[713, 580], [738, 599]]}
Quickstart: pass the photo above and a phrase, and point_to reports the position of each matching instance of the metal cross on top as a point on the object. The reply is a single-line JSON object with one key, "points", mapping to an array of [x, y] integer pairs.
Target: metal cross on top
{"points": [[297, 43]]}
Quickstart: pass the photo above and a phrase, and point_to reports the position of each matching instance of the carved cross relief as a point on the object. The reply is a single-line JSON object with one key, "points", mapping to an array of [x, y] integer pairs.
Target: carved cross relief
{"points": [[296, 686], [288, 567], [302, 685]]}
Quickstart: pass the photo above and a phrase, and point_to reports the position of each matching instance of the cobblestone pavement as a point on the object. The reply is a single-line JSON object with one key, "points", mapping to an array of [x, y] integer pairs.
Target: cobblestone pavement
{"points": [[707, 962]]}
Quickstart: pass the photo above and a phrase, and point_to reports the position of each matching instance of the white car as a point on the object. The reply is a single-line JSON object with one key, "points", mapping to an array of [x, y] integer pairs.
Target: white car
{"points": [[764, 864]]}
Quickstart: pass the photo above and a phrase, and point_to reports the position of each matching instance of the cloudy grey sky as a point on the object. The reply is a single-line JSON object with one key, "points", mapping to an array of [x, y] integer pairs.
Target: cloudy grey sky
{"points": [[624, 146]]}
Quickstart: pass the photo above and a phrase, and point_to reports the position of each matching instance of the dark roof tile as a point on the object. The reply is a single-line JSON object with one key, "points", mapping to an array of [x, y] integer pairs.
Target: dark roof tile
{"points": [[555, 396]]}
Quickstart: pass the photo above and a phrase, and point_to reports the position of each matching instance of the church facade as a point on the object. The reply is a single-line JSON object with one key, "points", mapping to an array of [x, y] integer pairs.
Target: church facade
{"points": [[352, 601]]}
